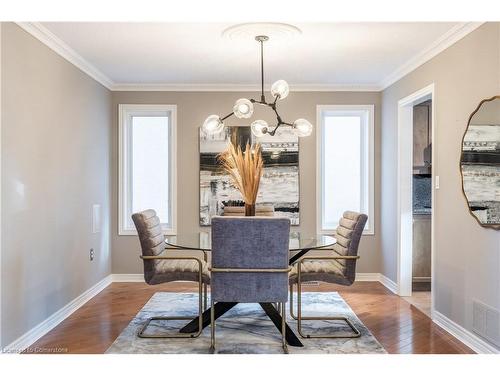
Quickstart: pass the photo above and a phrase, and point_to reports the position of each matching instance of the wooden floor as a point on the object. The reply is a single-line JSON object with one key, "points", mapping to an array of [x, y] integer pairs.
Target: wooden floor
{"points": [[421, 300], [398, 326]]}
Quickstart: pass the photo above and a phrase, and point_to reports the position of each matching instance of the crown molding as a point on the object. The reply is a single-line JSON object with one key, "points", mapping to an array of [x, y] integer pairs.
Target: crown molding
{"points": [[206, 87], [53, 42], [439, 45], [48, 38], [57, 45]]}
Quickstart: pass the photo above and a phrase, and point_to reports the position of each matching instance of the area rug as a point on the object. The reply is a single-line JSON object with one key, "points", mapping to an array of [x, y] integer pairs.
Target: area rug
{"points": [[245, 329]]}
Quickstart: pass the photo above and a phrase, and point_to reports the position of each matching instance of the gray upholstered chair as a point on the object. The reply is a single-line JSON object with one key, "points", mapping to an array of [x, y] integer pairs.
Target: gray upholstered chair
{"points": [[250, 263], [162, 265], [339, 267]]}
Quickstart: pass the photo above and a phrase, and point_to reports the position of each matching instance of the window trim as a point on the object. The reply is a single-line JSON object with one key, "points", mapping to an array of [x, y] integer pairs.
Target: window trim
{"points": [[123, 169], [320, 110]]}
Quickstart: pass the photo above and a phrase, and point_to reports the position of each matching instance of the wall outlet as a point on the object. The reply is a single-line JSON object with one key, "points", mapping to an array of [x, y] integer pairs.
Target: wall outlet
{"points": [[91, 255]]}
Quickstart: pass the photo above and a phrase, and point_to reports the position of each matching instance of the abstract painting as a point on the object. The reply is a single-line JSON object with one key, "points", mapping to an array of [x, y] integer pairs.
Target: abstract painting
{"points": [[279, 186], [480, 165]]}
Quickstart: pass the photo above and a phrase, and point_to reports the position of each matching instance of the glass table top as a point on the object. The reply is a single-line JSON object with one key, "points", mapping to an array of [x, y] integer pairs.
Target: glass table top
{"points": [[203, 241]]}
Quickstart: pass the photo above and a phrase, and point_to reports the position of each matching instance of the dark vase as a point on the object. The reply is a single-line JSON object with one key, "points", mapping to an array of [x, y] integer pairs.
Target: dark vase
{"points": [[249, 209]]}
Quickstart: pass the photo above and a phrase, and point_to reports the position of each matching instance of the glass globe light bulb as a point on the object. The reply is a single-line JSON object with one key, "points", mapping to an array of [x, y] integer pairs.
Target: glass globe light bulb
{"points": [[280, 89], [243, 108], [212, 125], [259, 128], [302, 127]]}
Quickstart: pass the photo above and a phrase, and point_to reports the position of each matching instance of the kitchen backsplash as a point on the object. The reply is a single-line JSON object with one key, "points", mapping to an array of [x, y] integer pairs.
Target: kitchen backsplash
{"points": [[422, 193]]}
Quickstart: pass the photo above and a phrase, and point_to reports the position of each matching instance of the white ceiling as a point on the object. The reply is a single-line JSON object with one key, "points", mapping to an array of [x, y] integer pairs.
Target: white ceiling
{"points": [[324, 54]]}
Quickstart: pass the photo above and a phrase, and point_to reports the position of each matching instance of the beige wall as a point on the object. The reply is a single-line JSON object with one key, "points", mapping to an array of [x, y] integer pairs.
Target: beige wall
{"points": [[467, 256], [59, 156], [55, 165], [192, 109]]}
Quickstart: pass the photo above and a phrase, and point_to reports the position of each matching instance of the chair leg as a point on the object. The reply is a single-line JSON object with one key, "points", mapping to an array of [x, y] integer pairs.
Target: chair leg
{"points": [[283, 327], [281, 309], [300, 318], [205, 298], [145, 326], [292, 314], [212, 326]]}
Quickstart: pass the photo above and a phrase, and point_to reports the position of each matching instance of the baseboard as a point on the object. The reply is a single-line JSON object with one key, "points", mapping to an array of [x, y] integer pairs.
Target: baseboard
{"points": [[388, 283], [368, 276], [421, 279], [382, 279], [139, 277], [52, 321], [468, 338], [127, 278]]}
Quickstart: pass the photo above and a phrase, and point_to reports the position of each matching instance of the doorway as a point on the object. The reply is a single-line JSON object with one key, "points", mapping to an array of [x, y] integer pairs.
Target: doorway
{"points": [[416, 181]]}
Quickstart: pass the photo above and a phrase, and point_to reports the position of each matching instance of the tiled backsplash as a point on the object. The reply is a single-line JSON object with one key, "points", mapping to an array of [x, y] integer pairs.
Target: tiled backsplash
{"points": [[422, 185]]}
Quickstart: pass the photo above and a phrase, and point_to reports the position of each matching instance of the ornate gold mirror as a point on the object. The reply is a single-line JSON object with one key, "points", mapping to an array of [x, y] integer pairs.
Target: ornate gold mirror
{"points": [[480, 163]]}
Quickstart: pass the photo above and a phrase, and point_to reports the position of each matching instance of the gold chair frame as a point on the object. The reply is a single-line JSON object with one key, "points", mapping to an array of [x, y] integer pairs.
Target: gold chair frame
{"points": [[299, 318], [202, 298], [281, 306]]}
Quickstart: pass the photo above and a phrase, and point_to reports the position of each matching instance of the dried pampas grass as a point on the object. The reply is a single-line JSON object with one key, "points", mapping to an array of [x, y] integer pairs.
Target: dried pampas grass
{"points": [[245, 169]]}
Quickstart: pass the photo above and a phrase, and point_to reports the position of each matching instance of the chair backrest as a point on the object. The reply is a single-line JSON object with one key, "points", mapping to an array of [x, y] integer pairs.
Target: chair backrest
{"points": [[151, 238], [250, 243], [348, 235]]}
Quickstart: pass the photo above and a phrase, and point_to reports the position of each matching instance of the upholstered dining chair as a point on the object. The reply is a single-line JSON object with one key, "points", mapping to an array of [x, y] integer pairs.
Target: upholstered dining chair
{"points": [[337, 267], [162, 265], [250, 263]]}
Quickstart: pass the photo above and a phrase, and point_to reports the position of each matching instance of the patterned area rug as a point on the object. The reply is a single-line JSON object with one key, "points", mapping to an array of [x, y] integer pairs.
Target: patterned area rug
{"points": [[245, 329]]}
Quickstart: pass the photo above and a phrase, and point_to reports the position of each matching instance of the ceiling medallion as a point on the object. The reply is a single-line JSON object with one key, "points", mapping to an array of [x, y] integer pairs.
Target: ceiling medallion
{"points": [[274, 30], [243, 108]]}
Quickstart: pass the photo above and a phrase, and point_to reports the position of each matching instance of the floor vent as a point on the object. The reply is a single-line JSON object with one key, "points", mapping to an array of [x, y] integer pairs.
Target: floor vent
{"points": [[486, 322], [310, 283]]}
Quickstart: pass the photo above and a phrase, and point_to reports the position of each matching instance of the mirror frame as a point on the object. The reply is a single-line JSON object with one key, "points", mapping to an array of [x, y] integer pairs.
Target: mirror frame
{"points": [[491, 226]]}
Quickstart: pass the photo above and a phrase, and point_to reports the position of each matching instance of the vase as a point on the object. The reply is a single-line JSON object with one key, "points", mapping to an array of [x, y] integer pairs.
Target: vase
{"points": [[249, 209]]}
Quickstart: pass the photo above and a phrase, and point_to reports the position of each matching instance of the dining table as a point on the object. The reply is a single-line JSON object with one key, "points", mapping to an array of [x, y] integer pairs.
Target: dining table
{"points": [[300, 243]]}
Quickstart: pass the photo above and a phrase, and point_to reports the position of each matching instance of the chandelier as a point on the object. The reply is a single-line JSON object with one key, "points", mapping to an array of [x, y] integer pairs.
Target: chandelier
{"points": [[243, 108]]}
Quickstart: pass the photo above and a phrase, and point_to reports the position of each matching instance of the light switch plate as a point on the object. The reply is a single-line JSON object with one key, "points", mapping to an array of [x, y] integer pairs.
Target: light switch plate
{"points": [[437, 182], [96, 218]]}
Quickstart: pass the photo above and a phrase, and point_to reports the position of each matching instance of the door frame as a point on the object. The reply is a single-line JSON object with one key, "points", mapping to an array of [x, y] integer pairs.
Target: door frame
{"points": [[404, 189], [1, 179]]}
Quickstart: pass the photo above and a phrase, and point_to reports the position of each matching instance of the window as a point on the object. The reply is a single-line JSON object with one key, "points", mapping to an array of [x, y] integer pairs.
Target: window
{"points": [[147, 170], [345, 164]]}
